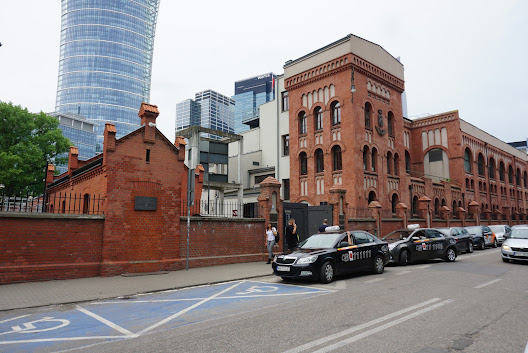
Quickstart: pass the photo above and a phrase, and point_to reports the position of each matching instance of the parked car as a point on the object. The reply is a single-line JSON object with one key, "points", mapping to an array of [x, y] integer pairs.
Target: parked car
{"points": [[519, 226], [489, 237], [501, 231], [464, 241], [410, 245], [515, 247], [324, 255]]}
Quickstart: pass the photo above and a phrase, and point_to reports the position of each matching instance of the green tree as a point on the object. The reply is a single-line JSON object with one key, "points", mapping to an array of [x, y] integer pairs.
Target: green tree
{"points": [[28, 142]]}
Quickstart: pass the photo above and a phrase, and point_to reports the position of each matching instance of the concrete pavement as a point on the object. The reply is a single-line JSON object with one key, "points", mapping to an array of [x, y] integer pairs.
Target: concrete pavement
{"points": [[34, 294]]}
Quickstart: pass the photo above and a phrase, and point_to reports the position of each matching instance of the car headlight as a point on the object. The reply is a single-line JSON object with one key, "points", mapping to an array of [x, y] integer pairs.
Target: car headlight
{"points": [[506, 247], [307, 260]]}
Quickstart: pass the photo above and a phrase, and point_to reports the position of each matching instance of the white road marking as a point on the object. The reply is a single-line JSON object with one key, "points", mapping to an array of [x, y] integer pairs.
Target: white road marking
{"points": [[359, 327], [402, 273], [374, 280], [13, 318], [299, 286], [423, 266], [64, 339], [164, 321], [487, 283], [382, 327], [107, 322]]}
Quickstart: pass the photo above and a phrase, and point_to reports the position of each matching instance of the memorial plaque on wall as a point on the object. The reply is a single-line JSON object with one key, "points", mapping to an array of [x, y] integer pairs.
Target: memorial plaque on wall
{"points": [[144, 203]]}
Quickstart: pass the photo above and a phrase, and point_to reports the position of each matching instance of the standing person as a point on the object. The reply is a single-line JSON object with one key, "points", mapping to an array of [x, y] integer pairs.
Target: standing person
{"points": [[323, 226], [270, 241], [291, 235]]}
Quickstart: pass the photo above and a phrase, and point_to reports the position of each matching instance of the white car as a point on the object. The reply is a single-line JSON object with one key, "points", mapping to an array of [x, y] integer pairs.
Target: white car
{"points": [[515, 248], [501, 231]]}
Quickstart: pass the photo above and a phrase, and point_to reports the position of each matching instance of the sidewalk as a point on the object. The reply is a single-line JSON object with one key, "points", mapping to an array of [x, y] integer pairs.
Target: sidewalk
{"points": [[34, 294]]}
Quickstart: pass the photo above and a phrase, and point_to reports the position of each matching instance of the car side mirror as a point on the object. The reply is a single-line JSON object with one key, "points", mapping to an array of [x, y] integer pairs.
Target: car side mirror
{"points": [[343, 244]]}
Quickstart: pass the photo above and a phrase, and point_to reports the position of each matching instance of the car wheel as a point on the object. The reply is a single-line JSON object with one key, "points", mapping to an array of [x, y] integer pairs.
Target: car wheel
{"points": [[495, 243], [404, 258], [450, 255], [378, 265], [482, 244], [327, 272], [505, 260], [470, 246]]}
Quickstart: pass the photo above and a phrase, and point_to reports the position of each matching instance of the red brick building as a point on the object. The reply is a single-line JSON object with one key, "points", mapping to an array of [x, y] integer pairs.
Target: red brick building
{"points": [[350, 144]]}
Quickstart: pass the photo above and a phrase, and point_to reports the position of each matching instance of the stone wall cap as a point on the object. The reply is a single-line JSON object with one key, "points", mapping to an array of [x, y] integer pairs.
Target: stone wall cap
{"points": [[270, 181]]}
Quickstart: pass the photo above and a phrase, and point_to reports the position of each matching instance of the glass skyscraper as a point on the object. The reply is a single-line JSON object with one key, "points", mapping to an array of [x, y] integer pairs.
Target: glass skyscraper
{"points": [[105, 61], [209, 109], [249, 95]]}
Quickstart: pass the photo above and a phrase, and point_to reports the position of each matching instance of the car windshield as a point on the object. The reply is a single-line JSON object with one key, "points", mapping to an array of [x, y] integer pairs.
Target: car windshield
{"points": [[320, 241], [496, 229], [519, 233], [397, 235]]}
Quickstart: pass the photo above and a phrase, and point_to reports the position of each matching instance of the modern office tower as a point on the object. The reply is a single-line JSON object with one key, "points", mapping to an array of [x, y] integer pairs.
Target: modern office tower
{"points": [[209, 109], [80, 132], [249, 95], [105, 61]]}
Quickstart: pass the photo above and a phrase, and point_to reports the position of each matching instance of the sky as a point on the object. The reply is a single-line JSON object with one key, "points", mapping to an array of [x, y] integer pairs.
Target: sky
{"points": [[464, 55]]}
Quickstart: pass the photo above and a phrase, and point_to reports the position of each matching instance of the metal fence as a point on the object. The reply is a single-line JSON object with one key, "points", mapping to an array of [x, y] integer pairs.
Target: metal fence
{"points": [[226, 209], [70, 203]]}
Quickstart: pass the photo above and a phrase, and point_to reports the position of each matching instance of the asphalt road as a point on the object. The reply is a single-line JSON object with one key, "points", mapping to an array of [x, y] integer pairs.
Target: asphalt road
{"points": [[476, 304]]}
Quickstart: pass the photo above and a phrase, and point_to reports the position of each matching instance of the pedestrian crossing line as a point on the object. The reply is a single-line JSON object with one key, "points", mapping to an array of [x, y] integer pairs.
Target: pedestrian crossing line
{"points": [[402, 273], [375, 280], [423, 266], [487, 283]]}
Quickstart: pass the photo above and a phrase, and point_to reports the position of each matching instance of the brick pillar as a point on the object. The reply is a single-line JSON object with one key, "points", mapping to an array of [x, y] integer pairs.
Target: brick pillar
{"points": [[445, 213], [461, 214], [73, 159], [474, 209], [270, 207], [50, 174], [180, 144], [424, 209], [109, 141], [375, 211], [487, 215], [338, 202], [401, 211]]}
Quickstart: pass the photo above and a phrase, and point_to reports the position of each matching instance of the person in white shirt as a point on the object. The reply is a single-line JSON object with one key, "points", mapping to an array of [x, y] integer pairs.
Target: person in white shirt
{"points": [[270, 241]]}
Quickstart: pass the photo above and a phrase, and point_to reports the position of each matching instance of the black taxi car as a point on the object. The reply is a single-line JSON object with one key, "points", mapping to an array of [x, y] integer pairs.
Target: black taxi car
{"points": [[324, 255], [415, 244]]}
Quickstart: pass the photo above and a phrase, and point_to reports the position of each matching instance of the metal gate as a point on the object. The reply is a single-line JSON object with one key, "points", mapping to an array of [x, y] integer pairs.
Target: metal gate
{"points": [[307, 218]]}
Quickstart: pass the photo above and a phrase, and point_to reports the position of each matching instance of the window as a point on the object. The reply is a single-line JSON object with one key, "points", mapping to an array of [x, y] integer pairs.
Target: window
{"points": [[518, 177], [365, 157], [501, 171], [394, 202], [285, 101], [396, 164], [374, 160], [390, 124], [436, 207], [86, 204], [318, 118], [260, 178], [407, 162], [414, 208], [147, 157], [302, 123], [491, 168], [480, 164], [303, 161], [361, 238], [336, 158], [319, 161], [285, 145], [467, 160], [389, 162], [336, 113], [368, 110], [510, 174], [435, 155], [372, 197], [286, 188]]}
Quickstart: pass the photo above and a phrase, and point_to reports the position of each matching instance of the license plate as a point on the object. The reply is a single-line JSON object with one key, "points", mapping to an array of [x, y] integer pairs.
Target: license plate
{"points": [[283, 268], [516, 253]]}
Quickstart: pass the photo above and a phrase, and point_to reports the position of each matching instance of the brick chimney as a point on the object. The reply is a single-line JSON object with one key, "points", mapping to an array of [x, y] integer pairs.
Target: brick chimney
{"points": [[109, 141], [50, 173], [73, 159], [148, 114]]}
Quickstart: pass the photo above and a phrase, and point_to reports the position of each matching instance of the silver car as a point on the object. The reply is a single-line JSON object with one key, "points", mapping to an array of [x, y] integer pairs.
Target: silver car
{"points": [[515, 248], [501, 231]]}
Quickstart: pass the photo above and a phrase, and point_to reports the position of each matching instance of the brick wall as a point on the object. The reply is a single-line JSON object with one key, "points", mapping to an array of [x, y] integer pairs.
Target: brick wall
{"points": [[44, 247]]}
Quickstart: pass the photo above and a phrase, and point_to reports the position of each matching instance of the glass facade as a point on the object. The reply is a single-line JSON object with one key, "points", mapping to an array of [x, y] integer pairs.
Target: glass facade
{"points": [[209, 109], [105, 61], [249, 95]]}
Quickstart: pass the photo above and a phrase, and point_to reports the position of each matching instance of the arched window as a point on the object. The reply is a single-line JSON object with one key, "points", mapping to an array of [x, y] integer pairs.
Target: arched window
{"points": [[467, 183], [318, 118], [501, 171], [467, 160], [414, 206], [335, 108], [302, 123], [389, 162], [407, 162], [454, 208], [480, 164], [374, 166], [368, 111], [472, 184], [525, 179], [518, 177], [371, 197], [396, 164], [436, 207], [63, 206], [303, 161], [319, 161], [366, 156], [86, 204], [491, 168], [510, 174], [336, 158], [394, 202], [390, 124]]}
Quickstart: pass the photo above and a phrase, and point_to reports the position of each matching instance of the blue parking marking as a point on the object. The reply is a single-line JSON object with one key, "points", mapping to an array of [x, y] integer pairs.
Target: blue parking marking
{"points": [[105, 321]]}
